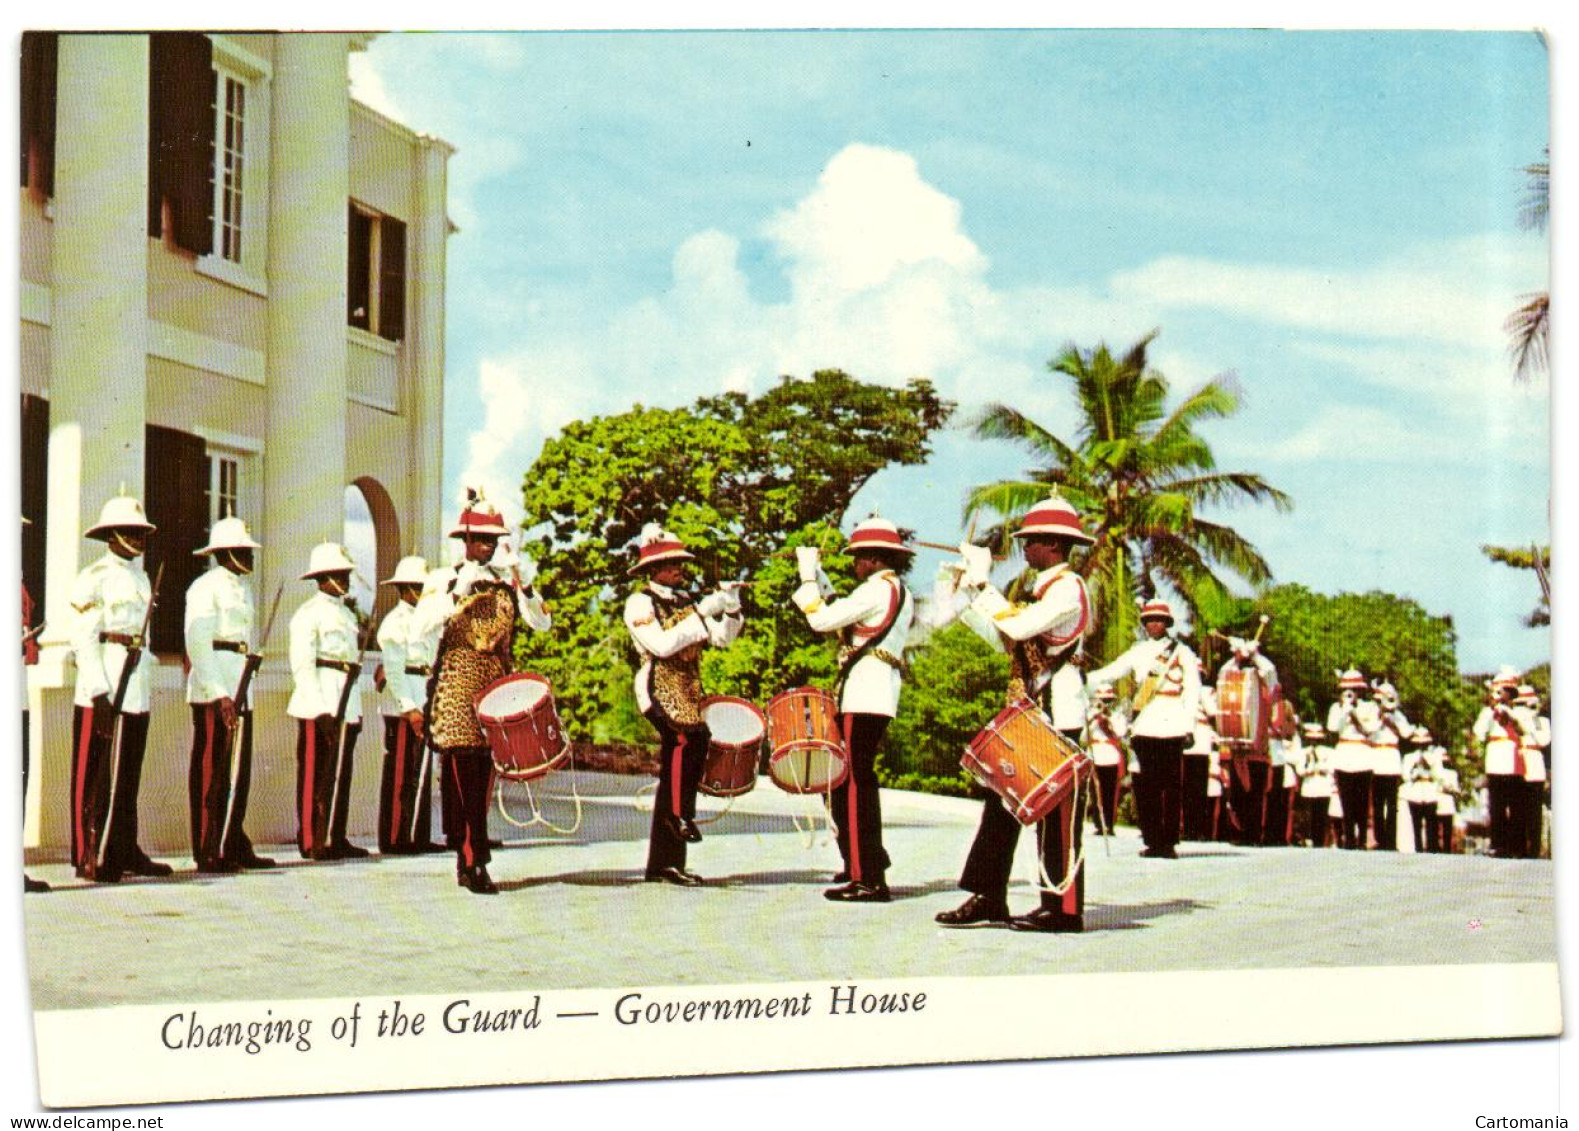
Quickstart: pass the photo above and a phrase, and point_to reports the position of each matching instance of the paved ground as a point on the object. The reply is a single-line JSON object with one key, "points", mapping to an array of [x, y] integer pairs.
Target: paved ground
{"points": [[574, 912]]}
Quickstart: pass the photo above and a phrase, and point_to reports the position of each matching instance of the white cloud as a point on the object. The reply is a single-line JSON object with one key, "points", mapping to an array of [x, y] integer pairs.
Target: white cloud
{"points": [[367, 86]]}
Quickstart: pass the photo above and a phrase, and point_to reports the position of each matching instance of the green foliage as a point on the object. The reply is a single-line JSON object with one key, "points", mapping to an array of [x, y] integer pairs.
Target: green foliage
{"points": [[1536, 558], [737, 479], [955, 688]]}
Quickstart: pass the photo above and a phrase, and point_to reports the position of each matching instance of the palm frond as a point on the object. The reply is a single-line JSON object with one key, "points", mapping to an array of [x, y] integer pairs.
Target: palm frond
{"points": [[1000, 422], [1528, 328], [1229, 487]]}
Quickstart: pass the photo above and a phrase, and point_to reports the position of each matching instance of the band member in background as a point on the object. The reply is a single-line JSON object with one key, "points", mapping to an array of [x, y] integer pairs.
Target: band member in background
{"points": [[1199, 766], [874, 623], [1315, 784], [29, 658], [1446, 798], [325, 653], [473, 610], [1503, 729], [670, 629], [111, 600], [1043, 638], [1105, 731], [1537, 741], [1162, 722], [1419, 790], [1351, 722], [220, 614], [1254, 783], [1387, 765], [1282, 787], [405, 813]]}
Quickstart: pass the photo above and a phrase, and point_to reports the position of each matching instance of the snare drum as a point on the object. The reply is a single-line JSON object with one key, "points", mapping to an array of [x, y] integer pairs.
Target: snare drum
{"points": [[1242, 717], [1025, 761], [803, 733], [518, 715], [735, 730]]}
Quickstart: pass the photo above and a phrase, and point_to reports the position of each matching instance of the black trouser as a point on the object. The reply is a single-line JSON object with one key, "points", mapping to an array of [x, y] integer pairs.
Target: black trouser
{"points": [[216, 811], [1533, 803], [1504, 793], [1109, 778], [1197, 816], [1384, 810], [469, 772], [1247, 782], [323, 783], [1276, 833], [104, 832], [991, 856], [682, 752], [405, 814], [1158, 789], [1422, 821], [1444, 832], [1315, 819], [855, 805], [1354, 790]]}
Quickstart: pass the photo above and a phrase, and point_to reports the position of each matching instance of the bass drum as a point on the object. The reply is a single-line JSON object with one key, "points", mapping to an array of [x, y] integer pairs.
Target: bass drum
{"points": [[1242, 716]]}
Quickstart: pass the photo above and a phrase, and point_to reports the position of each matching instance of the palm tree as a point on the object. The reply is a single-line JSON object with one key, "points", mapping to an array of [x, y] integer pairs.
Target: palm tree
{"points": [[1138, 474], [1527, 326]]}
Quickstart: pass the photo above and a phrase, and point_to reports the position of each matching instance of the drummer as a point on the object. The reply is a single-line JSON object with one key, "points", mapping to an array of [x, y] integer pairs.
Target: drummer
{"points": [[473, 609], [874, 623], [670, 629], [1042, 639], [1253, 781]]}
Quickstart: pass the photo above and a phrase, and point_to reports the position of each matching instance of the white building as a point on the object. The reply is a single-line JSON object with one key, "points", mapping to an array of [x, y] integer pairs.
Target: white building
{"points": [[232, 301]]}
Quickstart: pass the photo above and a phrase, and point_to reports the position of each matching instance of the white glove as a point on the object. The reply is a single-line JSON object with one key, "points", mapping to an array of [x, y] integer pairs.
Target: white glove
{"points": [[977, 564], [526, 568], [712, 605], [730, 590], [824, 585], [807, 559]]}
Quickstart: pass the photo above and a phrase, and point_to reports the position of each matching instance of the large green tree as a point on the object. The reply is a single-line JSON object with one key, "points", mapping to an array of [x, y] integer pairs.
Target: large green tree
{"points": [[1139, 472], [738, 479], [955, 689]]}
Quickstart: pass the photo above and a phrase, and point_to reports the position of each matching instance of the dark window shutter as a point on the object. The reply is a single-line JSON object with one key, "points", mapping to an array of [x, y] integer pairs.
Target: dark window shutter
{"points": [[358, 292], [35, 492], [181, 86], [175, 495], [40, 60], [391, 279]]}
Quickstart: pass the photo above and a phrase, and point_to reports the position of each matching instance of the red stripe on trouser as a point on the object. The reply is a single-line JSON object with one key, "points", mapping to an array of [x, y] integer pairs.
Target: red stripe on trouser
{"points": [[676, 772], [467, 849], [309, 779], [206, 786], [852, 833], [399, 785], [79, 786]]}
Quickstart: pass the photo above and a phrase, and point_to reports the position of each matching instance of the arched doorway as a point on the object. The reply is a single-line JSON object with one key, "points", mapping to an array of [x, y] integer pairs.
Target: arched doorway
{"points": [[372, 537]]}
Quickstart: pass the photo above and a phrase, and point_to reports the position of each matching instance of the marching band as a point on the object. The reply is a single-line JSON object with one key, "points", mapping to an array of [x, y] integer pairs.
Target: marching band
{"points": [[1229, 760]]}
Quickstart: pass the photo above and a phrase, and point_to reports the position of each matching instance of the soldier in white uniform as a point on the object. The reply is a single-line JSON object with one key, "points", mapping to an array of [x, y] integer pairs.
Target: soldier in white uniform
{"points": [[404, 796], [1162, 722], [1536, 742], [1315, 784], [110, 599], [1503, 729], [874, 624], [1351, 721], [1420, 790], [1387, 764], [1042, 638], [473, 609], [1200, 758], [325, 649], [1254, 782], [670, 629], [220, 615], [1446, 798], [1105, 731], [1286, 754]]}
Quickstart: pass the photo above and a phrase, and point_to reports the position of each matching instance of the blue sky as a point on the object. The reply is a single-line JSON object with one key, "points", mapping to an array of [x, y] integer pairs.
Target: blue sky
{"points": [[1331, 216]]}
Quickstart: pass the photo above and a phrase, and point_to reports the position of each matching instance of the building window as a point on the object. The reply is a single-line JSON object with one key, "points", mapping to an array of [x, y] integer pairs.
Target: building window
{"points": [[224, 486], [230, 122], [40, 51], [376, 273], [181, 136]]}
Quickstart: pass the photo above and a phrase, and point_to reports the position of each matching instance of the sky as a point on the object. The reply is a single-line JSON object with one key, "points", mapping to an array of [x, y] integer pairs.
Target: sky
{"points": [[1329, 216]]}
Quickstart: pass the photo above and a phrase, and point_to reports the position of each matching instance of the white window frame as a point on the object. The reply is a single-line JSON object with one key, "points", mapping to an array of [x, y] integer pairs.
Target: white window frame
{"points": [[254, 74], [225, 183]]}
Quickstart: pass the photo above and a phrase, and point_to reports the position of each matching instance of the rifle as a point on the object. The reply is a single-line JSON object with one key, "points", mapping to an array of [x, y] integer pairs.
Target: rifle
{"points": [[134, 656], [249, 668], [351, 676]]}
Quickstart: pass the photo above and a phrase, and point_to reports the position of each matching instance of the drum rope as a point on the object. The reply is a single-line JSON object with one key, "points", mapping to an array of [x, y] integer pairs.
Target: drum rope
{"points": [[538, 817], [1071, 867]]}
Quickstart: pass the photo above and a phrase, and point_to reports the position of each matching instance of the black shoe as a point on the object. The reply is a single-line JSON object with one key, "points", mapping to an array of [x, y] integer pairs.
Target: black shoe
{"points": [[253, 860], [975, 910], [141, 865], [428, 848], [859, 893], [29, 884], [494, 843], [842, 876], [477, 881], [1049, 921], [1160, 853], [101, 875], [685, 829], [677, 876], [318, 854], [348, 851], [218, 868]]}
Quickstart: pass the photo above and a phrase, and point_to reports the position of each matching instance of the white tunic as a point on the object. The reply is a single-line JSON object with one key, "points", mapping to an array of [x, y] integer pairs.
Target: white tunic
{"points": [[1315, 772], [872, 686], [1104, 736], [445, 586], [323, 628], [1447, 791], [1501, 738], [1353, 726], [1171, 712], [1539, 738], [405, 644], [1386, 756], [1055, 620], [1420, 778], [218, 607], [652, 639], [111, 595]]}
